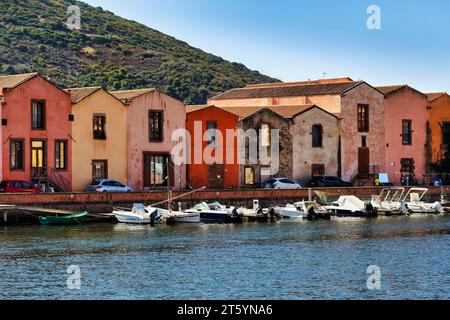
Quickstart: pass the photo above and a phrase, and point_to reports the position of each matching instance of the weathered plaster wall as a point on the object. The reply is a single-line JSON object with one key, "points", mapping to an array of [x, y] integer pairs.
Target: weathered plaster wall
{"points": [[138, 132], [439, 113], [351, 138], [85, 149], [304, 155], [406, 104]]}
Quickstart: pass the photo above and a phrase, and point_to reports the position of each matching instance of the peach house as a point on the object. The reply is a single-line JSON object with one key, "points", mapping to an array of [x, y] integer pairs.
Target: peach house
{"points": [[359, 106], [221, 174], [439, 126], [406, 118], [36, 131], [99, 131], [152, 117]]}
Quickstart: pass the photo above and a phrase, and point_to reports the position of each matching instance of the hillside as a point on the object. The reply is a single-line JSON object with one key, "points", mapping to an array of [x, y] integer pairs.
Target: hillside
{"points": [[109, 51]]}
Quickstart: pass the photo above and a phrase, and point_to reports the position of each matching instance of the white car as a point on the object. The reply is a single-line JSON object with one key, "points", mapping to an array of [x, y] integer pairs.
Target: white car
{"points": [[282, 183], [107, 185]]}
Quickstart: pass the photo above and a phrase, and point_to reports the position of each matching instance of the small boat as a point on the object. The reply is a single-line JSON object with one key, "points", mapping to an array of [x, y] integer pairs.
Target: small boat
{"points": [[257, 213], [66, 219], [138, 215], [174, 217], [351, 206], [216, 213], [303, 210], [414, 203], [390, 202]]}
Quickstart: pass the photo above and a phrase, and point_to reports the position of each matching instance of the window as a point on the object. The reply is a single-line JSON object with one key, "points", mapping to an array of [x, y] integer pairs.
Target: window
{"points": [[38, 114], [265, 135], [317, 170], [99, 127], [17, 154], [99, 170], [363, 117], [407, 169], [211, 127], [156, 125], [157, 169], [446, 133], [61, 155], [249, 176], [407, 132], [317, 136]]}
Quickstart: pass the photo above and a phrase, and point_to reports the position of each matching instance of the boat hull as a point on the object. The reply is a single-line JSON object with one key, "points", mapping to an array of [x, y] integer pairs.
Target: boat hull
{"points": [[74, 219], [217, 217], [130, 218]]}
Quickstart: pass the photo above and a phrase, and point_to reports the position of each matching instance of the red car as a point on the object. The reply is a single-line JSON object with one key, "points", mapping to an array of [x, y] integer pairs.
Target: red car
{"points": [[17, 186]]}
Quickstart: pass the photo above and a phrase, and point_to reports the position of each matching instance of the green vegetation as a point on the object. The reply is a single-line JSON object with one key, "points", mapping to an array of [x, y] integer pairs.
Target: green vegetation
{"points": [[110, 51]]}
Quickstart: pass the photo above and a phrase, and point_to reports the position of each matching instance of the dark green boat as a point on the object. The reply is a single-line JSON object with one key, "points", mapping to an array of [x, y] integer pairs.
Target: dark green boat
{"points": [[66, 219]]}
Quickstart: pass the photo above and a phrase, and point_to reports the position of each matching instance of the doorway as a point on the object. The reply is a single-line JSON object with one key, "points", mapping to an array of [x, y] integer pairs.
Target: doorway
{"points": [[38, 158], [216, 176], [363, 161]]}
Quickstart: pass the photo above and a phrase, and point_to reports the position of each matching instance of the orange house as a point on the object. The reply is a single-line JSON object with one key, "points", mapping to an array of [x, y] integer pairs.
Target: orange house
{"points": [[36, 131], [220, 174], [439, 125]]}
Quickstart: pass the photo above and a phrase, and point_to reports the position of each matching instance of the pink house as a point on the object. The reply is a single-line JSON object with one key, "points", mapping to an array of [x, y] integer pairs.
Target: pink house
{"points": [[36, 131], [152, 118], [406, 111]]}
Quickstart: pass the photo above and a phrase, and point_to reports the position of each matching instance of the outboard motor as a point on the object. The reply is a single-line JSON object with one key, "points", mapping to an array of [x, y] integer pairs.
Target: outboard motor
{"points": [[404, 209], [235, 215], [371, 210], [259, 212], [311, 214], [438, 207], [155, 217]]}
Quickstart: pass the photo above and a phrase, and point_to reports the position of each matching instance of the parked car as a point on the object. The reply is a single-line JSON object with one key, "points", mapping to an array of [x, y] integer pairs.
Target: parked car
{"points": [[17, 186], [282, 183], [107, 185], [328, 182]]}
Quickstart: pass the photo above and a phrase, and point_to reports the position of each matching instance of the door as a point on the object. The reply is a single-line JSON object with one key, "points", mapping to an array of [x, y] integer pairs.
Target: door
{"points": [[363, 161], [216, 176], [38, 159]]}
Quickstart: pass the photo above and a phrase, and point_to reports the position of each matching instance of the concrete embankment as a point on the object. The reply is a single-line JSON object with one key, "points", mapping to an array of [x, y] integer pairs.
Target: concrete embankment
{"points": [[104, 202]]}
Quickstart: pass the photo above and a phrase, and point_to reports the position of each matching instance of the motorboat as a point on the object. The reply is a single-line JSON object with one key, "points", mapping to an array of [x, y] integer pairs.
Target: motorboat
{"points": [[351, 206], [413, 200], [216, 213], [390, 202], [174, 217], [257, 213], [309, 210], [138, 215]]}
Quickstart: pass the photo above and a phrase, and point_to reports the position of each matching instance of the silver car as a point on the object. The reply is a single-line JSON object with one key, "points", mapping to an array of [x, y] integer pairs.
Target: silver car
{"points": [[107, 185], [282, 183]]}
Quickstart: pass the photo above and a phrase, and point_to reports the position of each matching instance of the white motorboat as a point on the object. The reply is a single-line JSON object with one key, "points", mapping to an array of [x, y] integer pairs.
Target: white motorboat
{"points": [[172, 217], [351, 206], [215, 212], [413, 200], [138, 215], [390, 201], [301, 210]]}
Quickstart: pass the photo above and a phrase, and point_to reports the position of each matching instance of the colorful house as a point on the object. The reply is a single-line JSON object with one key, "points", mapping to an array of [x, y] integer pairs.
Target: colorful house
{"points": [[36, 131], [359, 105], [406, 120], [100, 134], [222, 170], [439, 116], [152, 118]]}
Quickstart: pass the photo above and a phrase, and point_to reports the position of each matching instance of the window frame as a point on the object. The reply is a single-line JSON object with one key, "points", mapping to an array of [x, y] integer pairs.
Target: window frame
{"points": [[66, 150], [161, 125], [315, 166], [104, 162], [363, 122], [103, 125], [43, 115], [149, 181], [313, 140], [11, 167], [212, 142], [408, 134]]}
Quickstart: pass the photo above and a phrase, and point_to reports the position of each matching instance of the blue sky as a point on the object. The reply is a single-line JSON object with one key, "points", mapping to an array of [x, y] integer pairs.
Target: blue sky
{"points": [[295, 40]]}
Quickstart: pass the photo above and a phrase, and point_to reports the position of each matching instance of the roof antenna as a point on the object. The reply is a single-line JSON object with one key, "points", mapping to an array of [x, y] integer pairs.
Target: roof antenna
{"points": [[324, 75]]}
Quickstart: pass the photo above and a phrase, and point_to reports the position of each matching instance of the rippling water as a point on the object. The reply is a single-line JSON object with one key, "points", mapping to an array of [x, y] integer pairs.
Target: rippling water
{"points": [[323, 260]]}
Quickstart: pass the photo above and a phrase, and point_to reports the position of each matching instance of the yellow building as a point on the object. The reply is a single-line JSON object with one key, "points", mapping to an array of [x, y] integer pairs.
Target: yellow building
{"points": [[100, 137]]}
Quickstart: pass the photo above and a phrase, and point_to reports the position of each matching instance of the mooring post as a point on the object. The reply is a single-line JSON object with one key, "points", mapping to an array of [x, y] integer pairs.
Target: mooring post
{"points": [[309, 194], [5, 217]]}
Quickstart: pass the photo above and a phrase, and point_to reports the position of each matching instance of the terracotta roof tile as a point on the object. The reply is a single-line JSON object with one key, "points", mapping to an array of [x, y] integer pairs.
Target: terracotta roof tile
{"points": [[131, 94], [320, 81], [12, 81], [79, 94], [288, 90], [434, 95], [390, 89]]}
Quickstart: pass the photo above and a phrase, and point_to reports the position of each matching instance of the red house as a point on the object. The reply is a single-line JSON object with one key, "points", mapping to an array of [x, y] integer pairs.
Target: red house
{"points": [[36, 131], [219, 175]]}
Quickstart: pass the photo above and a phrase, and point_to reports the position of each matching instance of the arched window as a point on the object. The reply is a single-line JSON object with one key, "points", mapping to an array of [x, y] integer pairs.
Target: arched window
{"points": [[317, 136]]}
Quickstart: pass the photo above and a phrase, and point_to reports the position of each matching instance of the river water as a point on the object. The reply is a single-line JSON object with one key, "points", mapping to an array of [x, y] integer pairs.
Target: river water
{"points": [[284, 260]]}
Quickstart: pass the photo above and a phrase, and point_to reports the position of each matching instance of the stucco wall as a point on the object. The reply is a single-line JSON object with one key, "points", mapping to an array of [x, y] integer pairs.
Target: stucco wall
{"points": [[440, 112], [406, 104], [304, 155], [285, 149], [138, 130], [198, 173], [351, 138], [17, 111], [86, 149]]}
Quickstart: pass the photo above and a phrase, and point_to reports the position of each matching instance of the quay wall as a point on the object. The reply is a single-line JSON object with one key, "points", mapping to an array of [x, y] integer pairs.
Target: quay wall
{"points": [[104, 202]]}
